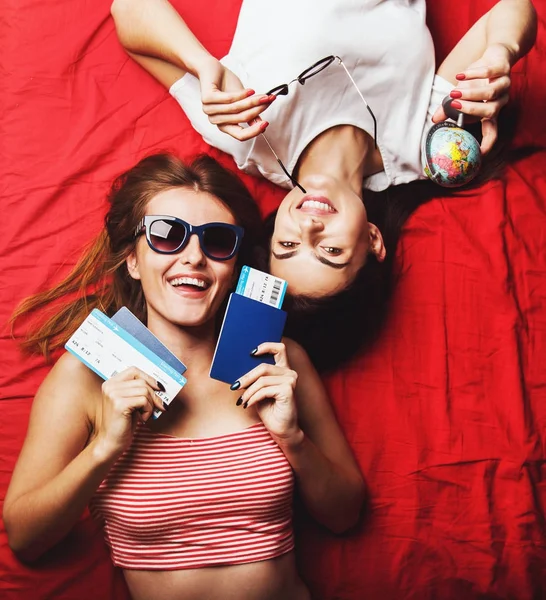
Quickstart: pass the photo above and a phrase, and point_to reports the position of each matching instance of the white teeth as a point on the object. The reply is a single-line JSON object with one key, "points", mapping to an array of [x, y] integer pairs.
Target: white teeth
{"points": [[188, 281], [317, 204]]}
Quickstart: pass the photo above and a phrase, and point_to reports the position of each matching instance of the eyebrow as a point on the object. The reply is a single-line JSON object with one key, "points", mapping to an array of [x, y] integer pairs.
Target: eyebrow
{"points": [[321, 259]]}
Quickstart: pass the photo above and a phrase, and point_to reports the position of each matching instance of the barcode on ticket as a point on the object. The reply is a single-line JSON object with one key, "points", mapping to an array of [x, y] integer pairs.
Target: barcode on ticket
{"points": [[261, 286]]}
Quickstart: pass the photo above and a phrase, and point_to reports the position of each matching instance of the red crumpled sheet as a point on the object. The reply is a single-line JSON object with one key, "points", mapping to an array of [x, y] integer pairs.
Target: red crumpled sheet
{"points": [[446, 415]]}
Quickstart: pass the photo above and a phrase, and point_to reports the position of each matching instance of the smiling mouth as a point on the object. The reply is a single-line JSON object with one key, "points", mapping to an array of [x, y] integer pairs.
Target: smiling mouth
{"points": [[316, 206], [193, 284]]}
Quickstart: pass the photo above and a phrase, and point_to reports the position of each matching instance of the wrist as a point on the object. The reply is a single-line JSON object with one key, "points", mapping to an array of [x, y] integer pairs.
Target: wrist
{"points": [[292, 442], [103, 452], [203, 65], [512, 51]]}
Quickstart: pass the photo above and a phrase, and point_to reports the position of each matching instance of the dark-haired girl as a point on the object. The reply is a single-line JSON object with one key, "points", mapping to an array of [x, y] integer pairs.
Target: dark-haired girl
{"points": [[333, 100]]}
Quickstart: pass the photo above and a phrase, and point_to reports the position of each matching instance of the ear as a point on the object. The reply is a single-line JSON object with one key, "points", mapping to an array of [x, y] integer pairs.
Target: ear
{"points": [[377, 245], [132, 265]]}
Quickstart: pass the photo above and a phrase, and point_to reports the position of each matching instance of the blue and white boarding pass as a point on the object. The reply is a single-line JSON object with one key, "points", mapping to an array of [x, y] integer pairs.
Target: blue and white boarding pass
{"points": [[106, 348], [261, 286]]}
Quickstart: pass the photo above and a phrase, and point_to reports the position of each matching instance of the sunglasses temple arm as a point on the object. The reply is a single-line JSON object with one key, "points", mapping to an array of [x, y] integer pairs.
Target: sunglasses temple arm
{"points": [[363, 100], [283, 167], [374, 126]]}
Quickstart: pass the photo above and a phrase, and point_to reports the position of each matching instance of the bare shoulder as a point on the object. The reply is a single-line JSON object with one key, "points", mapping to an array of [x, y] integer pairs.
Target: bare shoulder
{"points": [[73, 385], [71, 372]]}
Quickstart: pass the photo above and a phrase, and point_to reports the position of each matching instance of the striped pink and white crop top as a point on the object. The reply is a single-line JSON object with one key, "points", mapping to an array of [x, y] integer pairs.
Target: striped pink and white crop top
{"points": [[179, 503]]}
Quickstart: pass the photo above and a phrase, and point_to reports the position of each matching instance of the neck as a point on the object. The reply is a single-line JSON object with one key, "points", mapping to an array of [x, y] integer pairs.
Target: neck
{"points": [[344, 152], [194, 346]]}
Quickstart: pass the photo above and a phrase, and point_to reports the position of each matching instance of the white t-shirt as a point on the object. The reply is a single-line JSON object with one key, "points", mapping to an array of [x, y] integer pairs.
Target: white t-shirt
{"points": [[385, 45]]}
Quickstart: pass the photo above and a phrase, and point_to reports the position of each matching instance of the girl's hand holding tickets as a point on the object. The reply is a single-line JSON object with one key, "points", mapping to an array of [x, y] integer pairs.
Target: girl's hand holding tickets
{"points": [[271, 389], [127, 398]]}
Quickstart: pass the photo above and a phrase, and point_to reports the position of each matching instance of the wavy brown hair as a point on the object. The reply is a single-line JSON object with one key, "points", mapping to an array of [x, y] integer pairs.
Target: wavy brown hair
{"points": [[100, 279]]}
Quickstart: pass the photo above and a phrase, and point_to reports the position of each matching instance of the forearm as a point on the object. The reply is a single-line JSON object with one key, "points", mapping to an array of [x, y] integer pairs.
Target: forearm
{"points": [[154, 28], [513, 24], [39, 519], [334, 496]]}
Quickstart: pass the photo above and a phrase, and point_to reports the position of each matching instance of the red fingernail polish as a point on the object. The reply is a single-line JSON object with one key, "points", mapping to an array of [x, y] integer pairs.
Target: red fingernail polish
{"points": [[456, 94], [250, 93], [460, 76], [264, 125], [456, 104]]}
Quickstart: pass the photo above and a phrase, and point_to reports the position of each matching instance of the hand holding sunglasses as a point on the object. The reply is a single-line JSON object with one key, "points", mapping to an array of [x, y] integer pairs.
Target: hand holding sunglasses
{"points": [[227, 103], [169, 235]]}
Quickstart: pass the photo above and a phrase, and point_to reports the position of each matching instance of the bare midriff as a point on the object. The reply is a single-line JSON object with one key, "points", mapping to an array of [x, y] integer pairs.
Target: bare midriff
{"points": [[274, 579]]}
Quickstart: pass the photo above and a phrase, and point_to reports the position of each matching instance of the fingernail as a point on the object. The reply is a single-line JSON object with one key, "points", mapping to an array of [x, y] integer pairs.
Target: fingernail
{"points": [[245, 404], [165, 405], [160, 386], [239, 402], [456, 104], [250, 93], [266, 99], [460, 76], [235, 386], [264, 125], [456, 94], [254, 352]]}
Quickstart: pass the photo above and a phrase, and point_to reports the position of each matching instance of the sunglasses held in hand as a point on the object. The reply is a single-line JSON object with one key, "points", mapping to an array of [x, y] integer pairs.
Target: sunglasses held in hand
{"points": [[283, 89], [169, 235]]}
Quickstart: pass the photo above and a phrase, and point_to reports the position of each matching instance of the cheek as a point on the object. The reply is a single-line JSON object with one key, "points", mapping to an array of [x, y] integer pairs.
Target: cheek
{"points": [[285, 204], [225, 274], [357, 224]]}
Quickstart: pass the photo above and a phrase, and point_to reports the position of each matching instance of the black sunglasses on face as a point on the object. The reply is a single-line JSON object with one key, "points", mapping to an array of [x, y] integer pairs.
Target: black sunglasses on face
{"points": [[169, 235], [283, 89]]}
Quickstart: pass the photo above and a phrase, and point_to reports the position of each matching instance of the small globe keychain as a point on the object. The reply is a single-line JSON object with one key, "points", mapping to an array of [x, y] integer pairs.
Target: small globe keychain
{"points": [[451, 154]]}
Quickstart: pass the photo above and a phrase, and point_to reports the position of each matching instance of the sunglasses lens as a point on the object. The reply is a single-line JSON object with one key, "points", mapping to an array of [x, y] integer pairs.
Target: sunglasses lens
{"points": [[167, 236], [316, 68], [280, 90], [218, 241]]}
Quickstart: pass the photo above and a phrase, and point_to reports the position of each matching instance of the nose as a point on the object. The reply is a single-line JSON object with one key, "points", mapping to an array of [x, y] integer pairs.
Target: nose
{"points": [[192, 254], [310, 226]]}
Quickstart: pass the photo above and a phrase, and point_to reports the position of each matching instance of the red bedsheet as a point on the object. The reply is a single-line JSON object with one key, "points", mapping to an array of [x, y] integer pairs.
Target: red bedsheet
{"points": [[446, 415]]}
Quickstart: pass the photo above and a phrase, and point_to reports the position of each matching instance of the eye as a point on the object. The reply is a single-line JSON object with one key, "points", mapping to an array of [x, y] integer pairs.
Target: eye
{"points": [[333, 251], [288, 244]]}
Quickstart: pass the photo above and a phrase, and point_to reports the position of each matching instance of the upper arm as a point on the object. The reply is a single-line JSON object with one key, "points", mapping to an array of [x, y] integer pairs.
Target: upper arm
{"points": [[61, 422], [165, 72], [468, 50], [315, 413]]}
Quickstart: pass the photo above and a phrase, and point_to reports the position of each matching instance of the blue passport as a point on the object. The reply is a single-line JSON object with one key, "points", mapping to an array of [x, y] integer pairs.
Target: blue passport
{"points": [[127, 320], [247, 324]]}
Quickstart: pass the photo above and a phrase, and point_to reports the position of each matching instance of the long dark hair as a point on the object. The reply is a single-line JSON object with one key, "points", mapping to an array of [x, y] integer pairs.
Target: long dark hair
{"points": [[333, 329], [100, 279]]}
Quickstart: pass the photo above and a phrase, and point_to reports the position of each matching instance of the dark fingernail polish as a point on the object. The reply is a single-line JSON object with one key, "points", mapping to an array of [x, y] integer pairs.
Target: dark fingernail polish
{"points": [[160, 386], [254, 352], [235, 386], [165, 405], [245, 405], [239, 402]]}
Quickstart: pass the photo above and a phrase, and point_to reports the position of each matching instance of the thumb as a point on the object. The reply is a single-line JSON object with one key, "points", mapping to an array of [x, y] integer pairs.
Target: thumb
{"points": [[439, 115], [489, 135]]}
